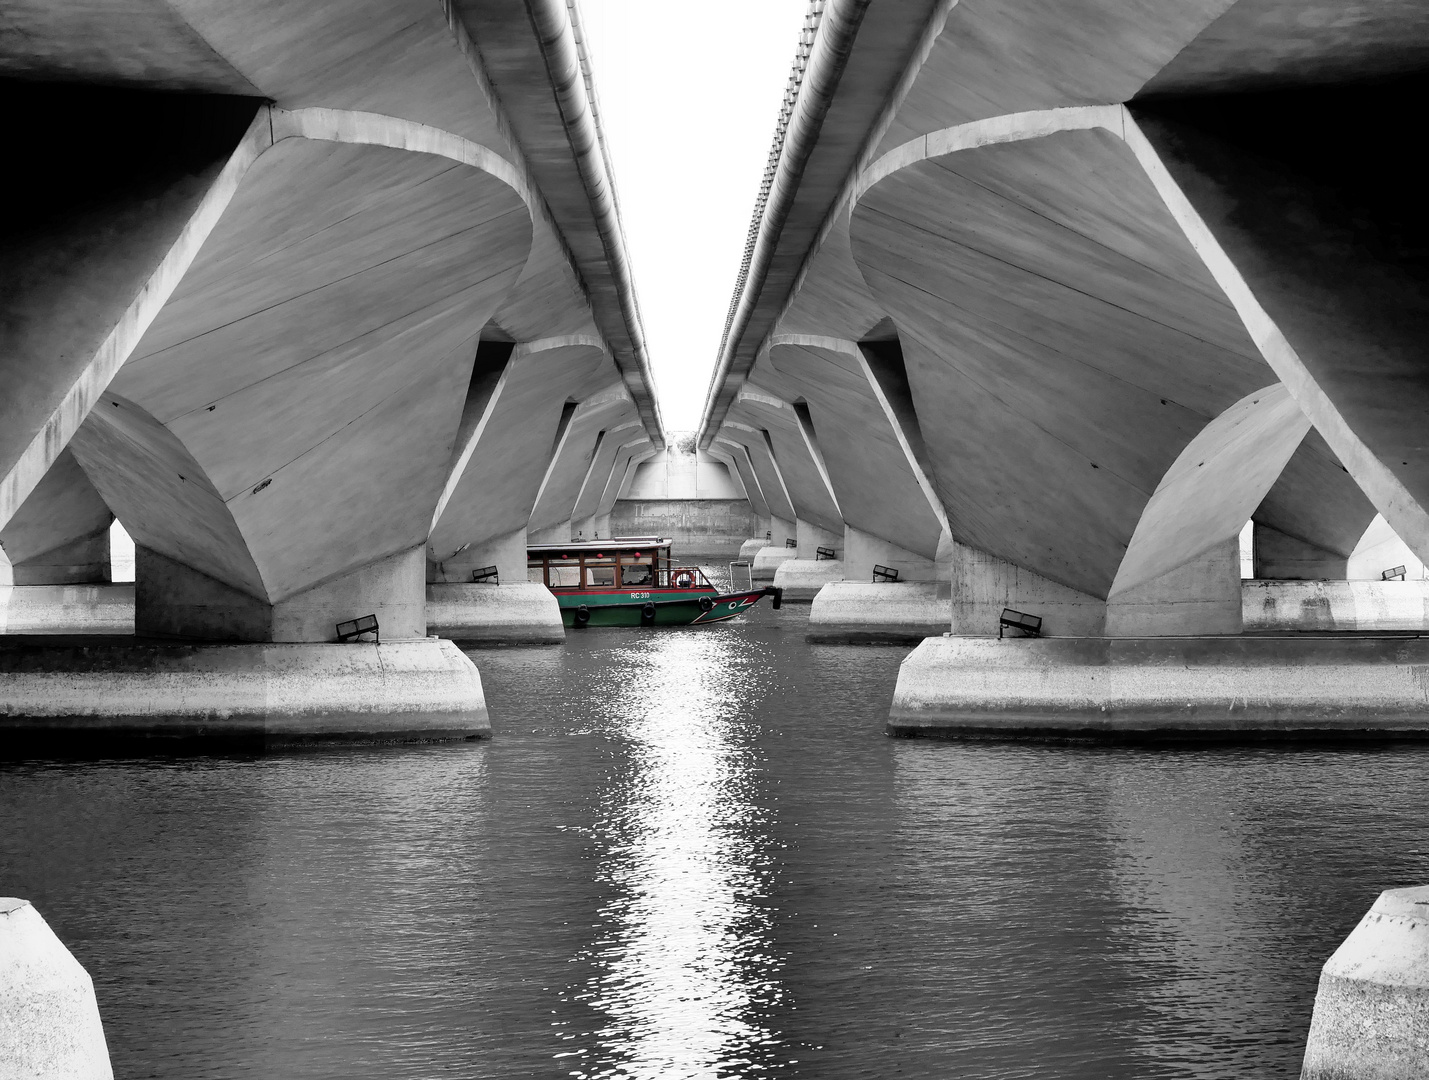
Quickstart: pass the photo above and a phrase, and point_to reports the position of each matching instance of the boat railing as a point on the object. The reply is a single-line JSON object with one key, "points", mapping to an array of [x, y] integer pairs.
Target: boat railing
{"points": [[741, 571], [681, 577]]}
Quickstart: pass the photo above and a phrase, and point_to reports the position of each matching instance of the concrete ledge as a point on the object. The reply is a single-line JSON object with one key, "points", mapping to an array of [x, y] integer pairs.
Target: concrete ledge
{"points": [[769, 559], [263, 694], [49, 1019], [67, 609], [522, 613], [888, 611], [1335, 605], [1165, 688], [801, 579], [1372, 1008]]}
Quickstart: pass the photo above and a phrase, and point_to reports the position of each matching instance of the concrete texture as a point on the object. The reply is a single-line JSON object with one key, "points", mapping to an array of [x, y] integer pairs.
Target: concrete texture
{"points": [[1371, 1016], [703, 526], [172, 600], [515, 614], [1165, 688], [750, 548], [1320, 606], [768, 560], [887, 611], [1288, 558], [262, 694], [983, 585], [49, 1018], [60, 534], [801, 579], [1201, 596], [863, 551], [1057, 298], [674, 473], [507, 553], [67, 609], [1378, 550]]}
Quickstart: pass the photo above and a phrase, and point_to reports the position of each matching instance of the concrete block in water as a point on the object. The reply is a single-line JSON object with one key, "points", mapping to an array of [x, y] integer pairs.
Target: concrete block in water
{"points": [[1371, 1019], [49, 1019], [767, 562], [750, 548], [67, 609], [1291, 686], [898, 611], [801, 579], [262, 693], [1335, 605], [516, 614]]}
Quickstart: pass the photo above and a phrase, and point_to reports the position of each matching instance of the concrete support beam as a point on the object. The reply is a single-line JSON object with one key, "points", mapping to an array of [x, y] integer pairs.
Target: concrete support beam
{"points": [[507, 553], [174, 600], [1201, 596], [983, 584]]}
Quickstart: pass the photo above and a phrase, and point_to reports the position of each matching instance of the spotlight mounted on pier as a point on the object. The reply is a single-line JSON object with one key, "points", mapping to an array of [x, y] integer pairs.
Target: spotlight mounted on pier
{"points": [[1394, 573]]}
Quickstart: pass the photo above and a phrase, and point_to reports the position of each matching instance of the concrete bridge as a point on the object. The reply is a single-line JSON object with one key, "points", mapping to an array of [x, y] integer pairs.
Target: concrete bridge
{"points": [[329, 304], [1043, 302]]}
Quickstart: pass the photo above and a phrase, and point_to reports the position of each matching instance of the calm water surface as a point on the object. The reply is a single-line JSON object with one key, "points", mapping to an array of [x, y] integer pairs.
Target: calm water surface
{"points": [[696, 854]]}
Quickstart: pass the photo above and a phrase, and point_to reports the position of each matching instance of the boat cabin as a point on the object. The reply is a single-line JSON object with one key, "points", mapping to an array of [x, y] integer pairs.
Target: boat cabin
{"points": [[621, 564]]}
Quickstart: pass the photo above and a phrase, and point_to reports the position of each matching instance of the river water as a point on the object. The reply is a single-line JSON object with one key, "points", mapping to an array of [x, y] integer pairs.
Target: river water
{"points": [[694, 853]]}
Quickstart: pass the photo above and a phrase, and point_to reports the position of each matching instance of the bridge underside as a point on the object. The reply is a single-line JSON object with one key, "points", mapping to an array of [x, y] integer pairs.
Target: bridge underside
{"points": [[318, 307], [1094, 294]]}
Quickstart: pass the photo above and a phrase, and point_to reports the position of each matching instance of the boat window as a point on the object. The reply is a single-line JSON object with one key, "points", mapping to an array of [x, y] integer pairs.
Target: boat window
{"points": [[635, 574], [600, 573], [536, 571], [565, 576]]}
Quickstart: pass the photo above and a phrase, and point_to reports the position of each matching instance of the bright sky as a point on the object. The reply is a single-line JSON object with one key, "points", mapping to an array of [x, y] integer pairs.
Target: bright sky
{"points": [[689, 95]]}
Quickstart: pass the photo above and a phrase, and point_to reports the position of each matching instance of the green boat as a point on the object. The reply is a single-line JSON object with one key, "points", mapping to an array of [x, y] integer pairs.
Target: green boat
{"points": [[632, 581]]}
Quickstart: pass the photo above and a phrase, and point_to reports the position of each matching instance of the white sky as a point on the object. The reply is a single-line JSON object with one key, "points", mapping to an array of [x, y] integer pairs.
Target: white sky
{"points": [[689, 95]]}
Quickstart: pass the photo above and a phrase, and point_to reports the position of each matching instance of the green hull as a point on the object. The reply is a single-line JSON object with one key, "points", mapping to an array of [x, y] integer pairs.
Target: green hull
{"points": [[683, 608]]}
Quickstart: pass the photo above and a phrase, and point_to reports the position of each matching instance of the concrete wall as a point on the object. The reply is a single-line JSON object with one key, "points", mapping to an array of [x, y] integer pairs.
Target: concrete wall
{"points": [[698, 526]]}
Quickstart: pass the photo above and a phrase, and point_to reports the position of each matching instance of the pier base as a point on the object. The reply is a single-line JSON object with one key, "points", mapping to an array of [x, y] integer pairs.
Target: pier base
{"points": [[801, 579], [1165, 688], [888, 611], [49, 1019], [1371, 1015], [253, 694], [522, 613], [67, 609]]}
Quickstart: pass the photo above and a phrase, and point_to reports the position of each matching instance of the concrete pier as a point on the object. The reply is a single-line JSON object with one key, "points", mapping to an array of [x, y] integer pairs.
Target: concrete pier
{"points": [[522, 613], [1371, 1018], [1165, 688], [801, 579], [253, 694], [769, 559], [49, 1018], [856, 611]]}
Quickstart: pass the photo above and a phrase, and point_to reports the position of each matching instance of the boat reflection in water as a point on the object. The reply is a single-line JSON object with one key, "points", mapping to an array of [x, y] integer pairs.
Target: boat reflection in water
{"points": [[684, 966]]}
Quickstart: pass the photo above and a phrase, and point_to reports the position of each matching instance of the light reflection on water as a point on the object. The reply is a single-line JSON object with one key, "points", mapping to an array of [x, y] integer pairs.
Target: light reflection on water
{"points": [[684, 965], [694, 853]]}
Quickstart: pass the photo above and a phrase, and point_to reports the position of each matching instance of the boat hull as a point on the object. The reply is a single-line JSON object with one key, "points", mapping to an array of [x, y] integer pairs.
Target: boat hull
{"points": [[687, 608]]}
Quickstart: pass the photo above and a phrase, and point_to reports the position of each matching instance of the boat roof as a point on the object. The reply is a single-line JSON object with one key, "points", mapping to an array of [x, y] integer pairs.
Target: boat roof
{"points": [[617, 543]]}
